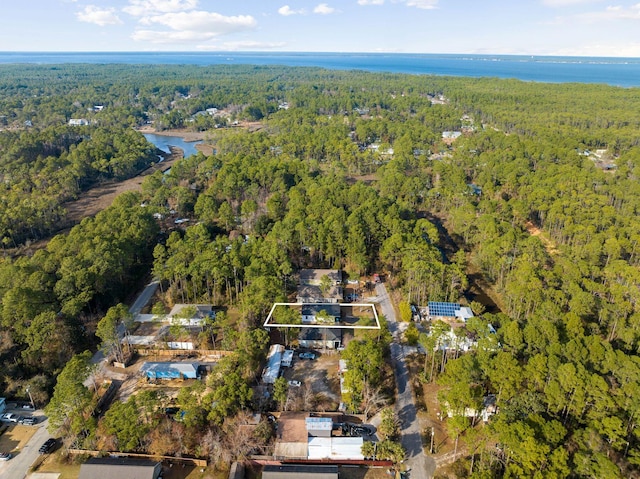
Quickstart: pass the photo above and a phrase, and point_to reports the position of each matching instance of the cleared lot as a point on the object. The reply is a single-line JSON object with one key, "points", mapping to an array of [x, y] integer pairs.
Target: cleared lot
{"points": [[318, 378]]}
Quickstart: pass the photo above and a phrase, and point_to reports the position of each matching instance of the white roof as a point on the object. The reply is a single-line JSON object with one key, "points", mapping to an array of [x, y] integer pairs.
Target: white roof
{"points": [[274, 361], [464, 313], [335, 448], [319, 447]]}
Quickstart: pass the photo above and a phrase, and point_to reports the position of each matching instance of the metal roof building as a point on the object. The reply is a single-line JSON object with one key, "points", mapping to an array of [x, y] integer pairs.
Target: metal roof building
{"points": [[170, 370], [319, 426], [336, 448], [274, 361], [119, 468]]}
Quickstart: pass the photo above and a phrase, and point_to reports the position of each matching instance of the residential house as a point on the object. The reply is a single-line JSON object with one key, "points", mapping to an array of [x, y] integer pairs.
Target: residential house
{"points": [[302, 437], [448, 312], [489, 408], [190, 314], [324, 313], [320, 338], [450, 136], [78, 122], [312, 289]]}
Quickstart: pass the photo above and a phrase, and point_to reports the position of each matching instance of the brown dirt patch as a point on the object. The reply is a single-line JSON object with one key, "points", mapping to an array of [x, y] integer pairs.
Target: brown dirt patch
{"points": [[550, 246], [321, 373], [16, 437]]}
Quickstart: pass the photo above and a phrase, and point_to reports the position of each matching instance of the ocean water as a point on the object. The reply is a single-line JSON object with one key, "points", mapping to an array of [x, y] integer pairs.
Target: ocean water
{"points": [[623, 72]]}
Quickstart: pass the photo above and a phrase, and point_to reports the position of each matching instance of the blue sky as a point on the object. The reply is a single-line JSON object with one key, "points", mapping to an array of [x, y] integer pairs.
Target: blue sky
{"points": [[532, 27]]}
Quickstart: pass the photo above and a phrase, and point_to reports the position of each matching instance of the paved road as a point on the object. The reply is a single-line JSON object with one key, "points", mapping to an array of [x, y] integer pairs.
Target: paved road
{"points": [[420, 465], [144, 297], [18, 466], [141, 301]]}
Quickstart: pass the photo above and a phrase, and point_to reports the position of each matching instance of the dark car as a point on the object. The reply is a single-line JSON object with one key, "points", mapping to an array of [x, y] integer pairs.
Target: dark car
{"points": [[30, 421], [48, 445]]}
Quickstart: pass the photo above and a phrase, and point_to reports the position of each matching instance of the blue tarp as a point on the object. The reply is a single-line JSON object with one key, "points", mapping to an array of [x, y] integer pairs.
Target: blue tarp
{"points": [[170, 370]]}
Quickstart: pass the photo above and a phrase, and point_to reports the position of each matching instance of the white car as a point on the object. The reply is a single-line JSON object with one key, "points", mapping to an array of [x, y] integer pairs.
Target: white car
{"points": [[295, 384]]}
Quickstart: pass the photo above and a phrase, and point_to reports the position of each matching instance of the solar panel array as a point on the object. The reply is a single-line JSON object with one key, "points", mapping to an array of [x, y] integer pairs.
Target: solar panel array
{"points": [[437, 308]]}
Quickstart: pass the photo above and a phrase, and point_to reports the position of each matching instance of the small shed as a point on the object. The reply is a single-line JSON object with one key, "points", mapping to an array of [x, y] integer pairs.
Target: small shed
{"points": [[170, 370], [319, 426]]}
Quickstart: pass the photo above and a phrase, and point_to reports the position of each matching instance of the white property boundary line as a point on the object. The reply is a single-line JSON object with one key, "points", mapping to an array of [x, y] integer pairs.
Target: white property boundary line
{"points": [[322, 326]]}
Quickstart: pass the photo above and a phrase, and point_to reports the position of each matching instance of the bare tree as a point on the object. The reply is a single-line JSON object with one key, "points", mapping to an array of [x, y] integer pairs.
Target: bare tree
{"points": [[372, 400]]}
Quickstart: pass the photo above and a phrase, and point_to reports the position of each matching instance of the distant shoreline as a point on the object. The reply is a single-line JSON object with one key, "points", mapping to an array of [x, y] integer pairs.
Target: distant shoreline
{"points": [[613, 71]]}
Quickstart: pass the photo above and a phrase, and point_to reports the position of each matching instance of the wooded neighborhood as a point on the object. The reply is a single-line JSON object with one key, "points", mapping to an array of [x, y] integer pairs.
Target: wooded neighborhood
{"points": [[460, 231]]}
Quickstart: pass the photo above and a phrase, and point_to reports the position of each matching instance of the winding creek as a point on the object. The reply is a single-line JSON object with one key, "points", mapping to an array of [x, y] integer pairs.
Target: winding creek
{"points": [[163, 142]]}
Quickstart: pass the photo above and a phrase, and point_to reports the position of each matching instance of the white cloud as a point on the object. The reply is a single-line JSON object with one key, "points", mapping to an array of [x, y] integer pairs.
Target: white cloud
{"points": [[192, 26], [167, 37], [99, 16], [566, 3], [370, 2], [611, 13], [200, 20], [423, 4], [324, 9], [139, 8], [286, 10]]}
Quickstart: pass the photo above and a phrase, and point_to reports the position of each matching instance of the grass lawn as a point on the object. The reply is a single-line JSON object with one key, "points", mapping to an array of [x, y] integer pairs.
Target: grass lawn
{"points": [[15, 437], [56, 463]]}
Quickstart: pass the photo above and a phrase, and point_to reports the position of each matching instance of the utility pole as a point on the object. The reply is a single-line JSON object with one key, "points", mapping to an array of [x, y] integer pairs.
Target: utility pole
{"points": [[31, 398], [433, 434]]}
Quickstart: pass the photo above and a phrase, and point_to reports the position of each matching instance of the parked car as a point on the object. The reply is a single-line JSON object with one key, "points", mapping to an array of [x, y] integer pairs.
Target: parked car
{"points": [[13, 417], [5, 416], [295, 384], [307, 356], [48, 446], [5, 456], [30, 421]]}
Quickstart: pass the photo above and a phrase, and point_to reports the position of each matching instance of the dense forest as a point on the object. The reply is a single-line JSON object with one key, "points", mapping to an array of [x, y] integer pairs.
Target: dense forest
{"points": [[347, 170]]}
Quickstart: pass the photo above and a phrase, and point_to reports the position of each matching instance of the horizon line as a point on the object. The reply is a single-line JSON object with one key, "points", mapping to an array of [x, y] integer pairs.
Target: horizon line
{"points": [[307, 52]]}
